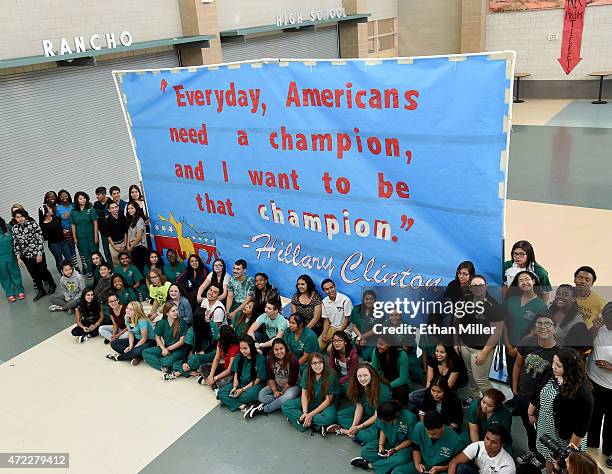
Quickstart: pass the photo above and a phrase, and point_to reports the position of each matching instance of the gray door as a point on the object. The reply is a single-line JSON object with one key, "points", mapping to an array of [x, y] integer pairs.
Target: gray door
{"points": [[65, 129], [310, 44]]}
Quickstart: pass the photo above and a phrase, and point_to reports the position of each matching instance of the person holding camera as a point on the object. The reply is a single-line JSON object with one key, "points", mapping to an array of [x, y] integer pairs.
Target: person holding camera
{"points": [[563, 406], [485, 457], [599, 369]]}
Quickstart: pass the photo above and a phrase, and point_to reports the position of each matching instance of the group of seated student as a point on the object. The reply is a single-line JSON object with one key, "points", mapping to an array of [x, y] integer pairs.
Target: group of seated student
{"points": [[326, 368]]}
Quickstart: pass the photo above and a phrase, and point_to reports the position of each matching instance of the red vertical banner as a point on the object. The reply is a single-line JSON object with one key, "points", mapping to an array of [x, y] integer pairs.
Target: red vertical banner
{"points": [[573, 24]]}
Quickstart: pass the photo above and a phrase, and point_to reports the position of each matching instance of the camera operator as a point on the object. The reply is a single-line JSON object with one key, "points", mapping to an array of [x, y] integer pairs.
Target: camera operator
{"points": [[564, 405], [485, 457], [599, 368]]}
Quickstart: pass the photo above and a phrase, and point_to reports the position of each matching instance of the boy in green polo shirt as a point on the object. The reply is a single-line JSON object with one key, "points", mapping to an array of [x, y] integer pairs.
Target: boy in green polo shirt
{"points": [[392, 448], [434, 445]]}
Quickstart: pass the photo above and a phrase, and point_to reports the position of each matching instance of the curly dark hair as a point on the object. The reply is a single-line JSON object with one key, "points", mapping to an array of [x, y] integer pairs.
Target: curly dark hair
{"points": [[574, 373]]}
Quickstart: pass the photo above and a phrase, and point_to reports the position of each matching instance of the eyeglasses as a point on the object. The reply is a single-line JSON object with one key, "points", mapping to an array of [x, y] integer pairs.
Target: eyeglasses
{"points": [[464, 274], [519, 254], [112, 301], [546, 324], [316, 364], [153, 277], [479, 285]]}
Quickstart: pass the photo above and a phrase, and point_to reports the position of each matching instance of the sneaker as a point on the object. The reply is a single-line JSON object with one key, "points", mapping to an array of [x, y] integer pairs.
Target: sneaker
{"points": [[12, 299], [323, 431], [467, 402], [525, 458], [246, 410], [357, 442], [201, 380], [106, 341], [537, 463], [82, 339], [136, 361], [114, 357], [360, 462], [258, 410], [55, 307], [168, 376], [334, 429], [21, 296], [609, 462]]}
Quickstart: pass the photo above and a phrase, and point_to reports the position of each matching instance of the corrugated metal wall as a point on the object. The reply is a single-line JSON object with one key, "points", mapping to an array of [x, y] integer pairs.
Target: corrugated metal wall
{"points": [[65, 129], [309, 44]]}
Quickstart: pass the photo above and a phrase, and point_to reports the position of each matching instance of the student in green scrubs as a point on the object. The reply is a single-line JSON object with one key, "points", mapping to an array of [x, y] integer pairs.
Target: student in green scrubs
{"points": [[132, 276], [124, 293], [243, 321], [362, 319], [154, 260], [170, 337], [173, 269], [249, 376], [366, 392], [302, 340], [315, 408], [200, 347], [84, 224], [10, 276], [392, 447], [434, 444], [483, 412], [391, 363]]}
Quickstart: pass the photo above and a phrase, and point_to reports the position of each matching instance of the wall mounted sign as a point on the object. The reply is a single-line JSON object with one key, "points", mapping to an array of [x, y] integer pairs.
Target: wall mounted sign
{"points": [[80, 44], [296, 18]]}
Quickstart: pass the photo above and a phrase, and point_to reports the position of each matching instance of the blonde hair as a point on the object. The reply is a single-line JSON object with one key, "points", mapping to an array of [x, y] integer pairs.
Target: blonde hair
{"points": [[138, 313]]}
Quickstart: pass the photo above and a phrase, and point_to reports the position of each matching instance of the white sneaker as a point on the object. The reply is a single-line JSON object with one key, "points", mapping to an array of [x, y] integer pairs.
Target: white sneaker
{"points": [[55, 307], [82, 339]]}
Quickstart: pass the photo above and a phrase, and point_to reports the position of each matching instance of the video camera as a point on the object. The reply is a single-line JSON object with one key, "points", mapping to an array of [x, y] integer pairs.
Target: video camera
{"points": [[558, 452]]}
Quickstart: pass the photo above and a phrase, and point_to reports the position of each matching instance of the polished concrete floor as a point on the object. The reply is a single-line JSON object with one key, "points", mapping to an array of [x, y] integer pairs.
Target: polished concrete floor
{"points": [[61, 396]]}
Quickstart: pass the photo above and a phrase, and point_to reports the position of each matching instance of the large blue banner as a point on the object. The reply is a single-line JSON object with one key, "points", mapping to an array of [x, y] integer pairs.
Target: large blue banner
{"points": [[382, 172]]}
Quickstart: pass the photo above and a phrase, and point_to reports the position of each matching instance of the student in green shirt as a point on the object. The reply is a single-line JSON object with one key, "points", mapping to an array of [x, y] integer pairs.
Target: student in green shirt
{"points": [[245, 319], [302, 340], [315, 408], [124, 293], [391, 363], [170, 337], [249, 376], [366, 392], [173, 269], [434, 445], [484, 412], [200, 347], [84, 224], [523, 258], [392, 448], [132, 276], [362, 318], [154, 260], [10, 276]]}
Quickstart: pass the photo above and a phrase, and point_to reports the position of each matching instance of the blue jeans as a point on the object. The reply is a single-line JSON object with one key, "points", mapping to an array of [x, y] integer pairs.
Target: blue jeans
{"points": [[271, 404], [61, 251], [417, 396]]}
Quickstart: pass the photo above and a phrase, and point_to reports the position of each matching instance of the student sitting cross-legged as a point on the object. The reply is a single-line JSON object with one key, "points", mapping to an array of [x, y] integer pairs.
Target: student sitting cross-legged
{"points": [[366, 392], [88, 316], [488, 456], [170, 337], [200, 346], [442, 399], [392, 447], [434, 445], [283, 380], [218, 373], [274, 325], [140, 335], [315, 408], [72, 284], [249, 372]]}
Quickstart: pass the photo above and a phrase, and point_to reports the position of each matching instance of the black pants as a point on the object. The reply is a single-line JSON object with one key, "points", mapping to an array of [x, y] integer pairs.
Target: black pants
{"points": [[401, 394], [78, 331], [522, 404], [38, 271], [139, 258], [602, 411], [120, 345]]}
